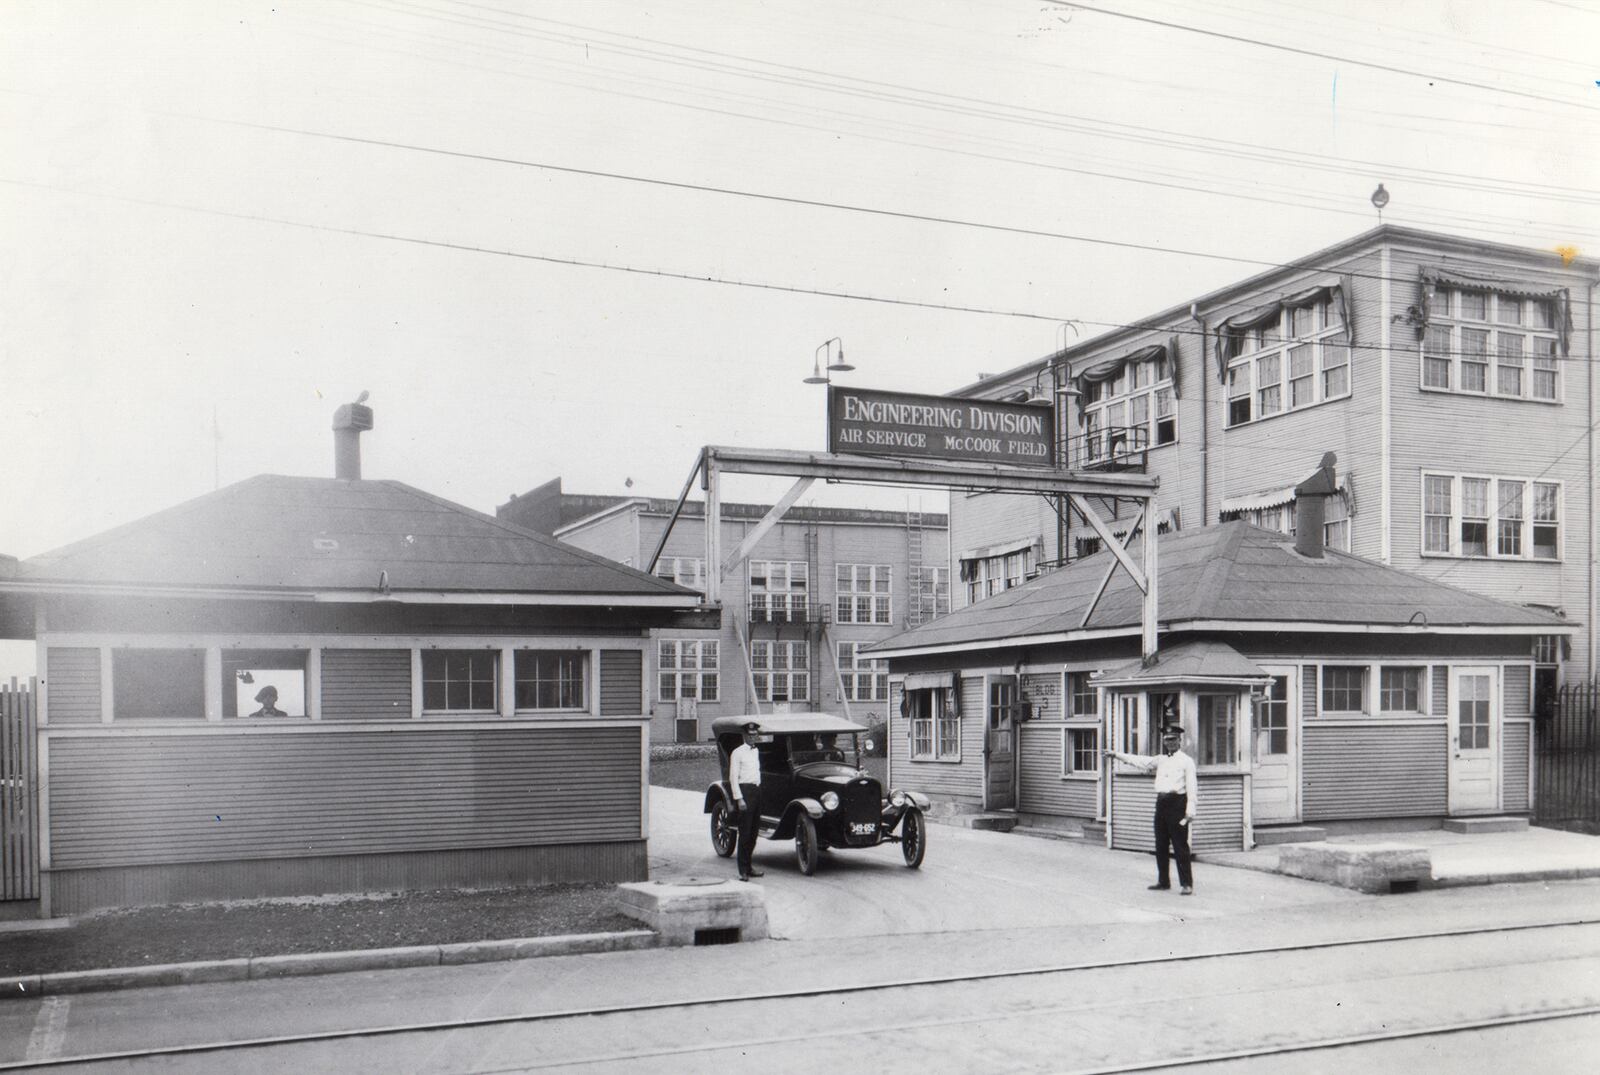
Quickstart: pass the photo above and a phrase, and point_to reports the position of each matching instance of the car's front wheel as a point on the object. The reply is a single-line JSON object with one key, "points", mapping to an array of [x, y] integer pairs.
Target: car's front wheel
{"points": [[724, 833], [805, 844], [913, 837]]}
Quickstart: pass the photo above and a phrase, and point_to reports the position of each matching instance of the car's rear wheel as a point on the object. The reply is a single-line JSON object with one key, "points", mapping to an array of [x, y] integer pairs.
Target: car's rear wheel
{"points": [[805, 844], [913, 837], [724, 833]]}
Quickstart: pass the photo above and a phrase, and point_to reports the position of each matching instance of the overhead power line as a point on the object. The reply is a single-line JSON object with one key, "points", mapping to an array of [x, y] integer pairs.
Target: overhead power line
{"points": [[1370, 64]]}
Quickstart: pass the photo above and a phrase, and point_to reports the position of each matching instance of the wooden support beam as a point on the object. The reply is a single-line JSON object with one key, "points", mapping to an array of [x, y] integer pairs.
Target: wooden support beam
{"points": [[1109, 540], [1111, 569], [768, 521]]}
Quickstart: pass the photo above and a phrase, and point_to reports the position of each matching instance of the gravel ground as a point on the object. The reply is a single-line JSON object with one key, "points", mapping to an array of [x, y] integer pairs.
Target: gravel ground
{"points": [[182, 934]]}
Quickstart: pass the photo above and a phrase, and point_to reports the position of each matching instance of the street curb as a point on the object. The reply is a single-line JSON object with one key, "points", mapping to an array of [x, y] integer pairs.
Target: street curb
{"points": [[29, 986]]}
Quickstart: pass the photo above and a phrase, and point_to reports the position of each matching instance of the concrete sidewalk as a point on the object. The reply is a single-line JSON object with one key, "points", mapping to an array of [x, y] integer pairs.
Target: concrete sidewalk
{"points": [[1458, 858]]}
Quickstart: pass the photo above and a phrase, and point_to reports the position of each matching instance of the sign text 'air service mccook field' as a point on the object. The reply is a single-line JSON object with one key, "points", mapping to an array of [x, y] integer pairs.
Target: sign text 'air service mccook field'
{"points": [[865, 422]]}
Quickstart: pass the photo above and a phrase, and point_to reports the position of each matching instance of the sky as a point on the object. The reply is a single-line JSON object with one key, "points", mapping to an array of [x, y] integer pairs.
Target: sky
{"points": [[585, 239]]}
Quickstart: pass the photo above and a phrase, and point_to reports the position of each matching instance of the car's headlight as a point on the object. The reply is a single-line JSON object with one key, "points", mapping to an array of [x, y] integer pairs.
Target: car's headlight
{"points": [[897, 798], [830, 800]]}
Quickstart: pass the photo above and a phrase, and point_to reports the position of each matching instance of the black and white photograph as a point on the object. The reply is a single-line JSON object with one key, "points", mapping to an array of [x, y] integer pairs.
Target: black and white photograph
{"points": [[675, 535]]}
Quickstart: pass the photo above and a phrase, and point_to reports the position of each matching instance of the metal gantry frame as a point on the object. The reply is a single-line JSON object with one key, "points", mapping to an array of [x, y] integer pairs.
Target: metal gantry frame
{"points": [[806, 467]]}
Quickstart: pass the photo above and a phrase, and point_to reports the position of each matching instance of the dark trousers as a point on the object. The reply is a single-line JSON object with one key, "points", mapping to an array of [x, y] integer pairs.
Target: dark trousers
{"points": [[749, 817], [1172, 838]]}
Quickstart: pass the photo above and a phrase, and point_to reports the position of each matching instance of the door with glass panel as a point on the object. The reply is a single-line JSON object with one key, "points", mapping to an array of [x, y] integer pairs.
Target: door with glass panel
{"points": [[1000, 745], [1474, 762], [1275, 750]]}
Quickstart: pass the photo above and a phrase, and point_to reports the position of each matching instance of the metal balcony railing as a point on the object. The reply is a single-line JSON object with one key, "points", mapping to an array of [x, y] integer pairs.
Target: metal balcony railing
{"points": [[1112, 448], [787, 610]]}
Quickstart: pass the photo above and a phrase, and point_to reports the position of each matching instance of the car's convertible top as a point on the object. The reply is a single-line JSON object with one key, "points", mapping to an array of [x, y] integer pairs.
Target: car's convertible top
{"points": [[785, 724]]}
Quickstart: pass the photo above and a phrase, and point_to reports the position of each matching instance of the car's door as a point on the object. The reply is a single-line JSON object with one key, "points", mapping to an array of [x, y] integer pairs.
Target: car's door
{"points": [[777, 784]]}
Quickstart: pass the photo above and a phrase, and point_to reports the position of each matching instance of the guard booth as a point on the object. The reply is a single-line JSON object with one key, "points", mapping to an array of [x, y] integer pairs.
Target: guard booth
{"points": [[1213, 693]]}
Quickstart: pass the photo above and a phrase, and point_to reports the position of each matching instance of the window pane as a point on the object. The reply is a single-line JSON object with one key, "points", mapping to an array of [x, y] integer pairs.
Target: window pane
{"points": [[1344, 688], [1474, 360], [1474, 306], [158, 684], [1218, 740], [1509, 364], [264, 683], [1400, 690], [1509, 530]]}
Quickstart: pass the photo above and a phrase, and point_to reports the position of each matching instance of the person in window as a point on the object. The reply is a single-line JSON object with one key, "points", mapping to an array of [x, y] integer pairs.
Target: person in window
{"points": [[268, 697], [1176, 791], [744, 780]]}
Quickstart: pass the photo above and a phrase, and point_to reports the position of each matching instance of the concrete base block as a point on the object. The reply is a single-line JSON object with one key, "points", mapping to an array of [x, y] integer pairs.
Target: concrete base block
{"points": [[1290, 834], [688, 910], [986, 822], [1485, 824], [1372, 868]]}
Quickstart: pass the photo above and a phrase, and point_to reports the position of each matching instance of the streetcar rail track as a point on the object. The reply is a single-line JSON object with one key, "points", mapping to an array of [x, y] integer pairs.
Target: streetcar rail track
{"points": [[555, 1015]]}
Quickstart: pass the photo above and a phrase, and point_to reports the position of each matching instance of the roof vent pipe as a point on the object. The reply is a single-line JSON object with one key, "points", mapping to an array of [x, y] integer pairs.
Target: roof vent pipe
{"points": [[1310, 508], [349, 422]]}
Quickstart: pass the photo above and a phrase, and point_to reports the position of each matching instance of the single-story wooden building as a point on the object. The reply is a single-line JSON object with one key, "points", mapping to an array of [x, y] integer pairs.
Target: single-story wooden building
{"points": [[304, 685], [1312, 686]]}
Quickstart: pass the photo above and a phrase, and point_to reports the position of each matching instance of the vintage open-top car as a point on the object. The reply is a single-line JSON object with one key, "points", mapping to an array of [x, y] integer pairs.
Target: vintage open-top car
{"points": [[814, 790]]}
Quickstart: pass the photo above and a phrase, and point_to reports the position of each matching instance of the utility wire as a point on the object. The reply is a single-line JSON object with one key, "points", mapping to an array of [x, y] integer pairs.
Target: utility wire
{"points": [[1389, 68]]}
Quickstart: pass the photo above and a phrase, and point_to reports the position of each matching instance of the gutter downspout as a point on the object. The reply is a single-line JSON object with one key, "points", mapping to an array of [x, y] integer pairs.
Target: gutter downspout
{"points": [[1594, 465], [1205, 417]]}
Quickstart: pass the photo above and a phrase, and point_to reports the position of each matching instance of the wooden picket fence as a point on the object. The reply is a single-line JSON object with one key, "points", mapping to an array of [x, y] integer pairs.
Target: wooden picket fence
{"points": [[19, 791]]}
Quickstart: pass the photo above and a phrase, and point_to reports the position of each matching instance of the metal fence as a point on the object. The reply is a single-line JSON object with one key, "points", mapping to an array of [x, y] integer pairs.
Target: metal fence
{"points": [[1567, 761], [19, 793]]}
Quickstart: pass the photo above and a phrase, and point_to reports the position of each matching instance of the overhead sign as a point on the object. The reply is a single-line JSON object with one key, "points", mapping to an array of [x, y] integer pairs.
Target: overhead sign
{"points": [[862, 421]]}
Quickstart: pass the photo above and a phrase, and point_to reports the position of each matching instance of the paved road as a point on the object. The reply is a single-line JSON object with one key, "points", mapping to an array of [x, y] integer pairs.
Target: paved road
{"points": [[970, 880], [983, 903]]}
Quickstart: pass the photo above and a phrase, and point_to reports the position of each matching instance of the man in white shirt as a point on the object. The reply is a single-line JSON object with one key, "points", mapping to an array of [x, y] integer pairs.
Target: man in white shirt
{"points": [[1176, 792], [744, 780]]}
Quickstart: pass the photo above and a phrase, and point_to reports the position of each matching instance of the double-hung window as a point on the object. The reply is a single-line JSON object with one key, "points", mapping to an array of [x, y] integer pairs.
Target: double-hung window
{"points": [[1080, 755], [1400, 689], [779, 591], [1129, 412], [1489, 344], [687, 668], [1218, 742], [1344, 688], [863, 594], [549, 679], [862, 679], [1297, 359], [1490, 517], [991, 574], [687, 571], [781, 670], [460, 680], [935, 725]]}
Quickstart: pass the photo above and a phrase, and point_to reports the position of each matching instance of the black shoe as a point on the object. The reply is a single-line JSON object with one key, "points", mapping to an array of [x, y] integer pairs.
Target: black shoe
{"points": [[1158, 888], [758, 873]]}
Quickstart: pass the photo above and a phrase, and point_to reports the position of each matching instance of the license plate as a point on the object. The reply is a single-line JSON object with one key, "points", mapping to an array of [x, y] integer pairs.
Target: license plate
{"points": [[862, 828]]}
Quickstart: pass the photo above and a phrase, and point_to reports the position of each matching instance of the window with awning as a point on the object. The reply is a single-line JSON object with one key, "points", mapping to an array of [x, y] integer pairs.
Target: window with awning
{"points": [[1490, 336], [1291, 353], [1126, 403]]}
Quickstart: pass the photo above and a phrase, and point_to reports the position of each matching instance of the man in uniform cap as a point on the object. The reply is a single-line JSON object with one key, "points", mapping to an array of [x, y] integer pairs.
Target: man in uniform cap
{"points": [[1175, 802], [744, 780]]}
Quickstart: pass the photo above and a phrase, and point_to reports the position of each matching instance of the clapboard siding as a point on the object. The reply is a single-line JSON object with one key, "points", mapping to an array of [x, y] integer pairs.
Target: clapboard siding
{"points": [[621, 682], [956, 782], [1441, 690], [1514, 741], [80, 891], [366, 684], [1309, 699], [1042, 789], [1043, 689], [1381, 771], [72, 683], [193, 798], [1219, 813]]}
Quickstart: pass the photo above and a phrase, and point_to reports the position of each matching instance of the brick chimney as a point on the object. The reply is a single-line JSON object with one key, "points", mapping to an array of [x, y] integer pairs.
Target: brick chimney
{"points": [[1310, 508], [349, 422]]}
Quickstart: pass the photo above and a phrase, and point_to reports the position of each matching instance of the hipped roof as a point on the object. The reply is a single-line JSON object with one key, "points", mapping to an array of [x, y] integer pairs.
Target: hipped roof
{"points": [[314, 535], [1233, 575]]}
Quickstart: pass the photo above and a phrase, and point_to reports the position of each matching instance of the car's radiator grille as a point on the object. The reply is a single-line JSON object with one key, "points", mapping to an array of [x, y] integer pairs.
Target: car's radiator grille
{"points": [[859, 802]]}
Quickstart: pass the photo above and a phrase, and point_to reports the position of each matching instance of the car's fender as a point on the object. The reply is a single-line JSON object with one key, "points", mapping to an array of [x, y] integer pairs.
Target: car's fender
{"points": [[791, 815], [716, 791], [919, 800]]}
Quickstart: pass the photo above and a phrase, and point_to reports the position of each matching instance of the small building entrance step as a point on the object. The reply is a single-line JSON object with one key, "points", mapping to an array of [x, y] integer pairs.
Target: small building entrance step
{"points": [[1095, 830], [1372, 868], [1290, 834], [1485, 824], [989, 821]]}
